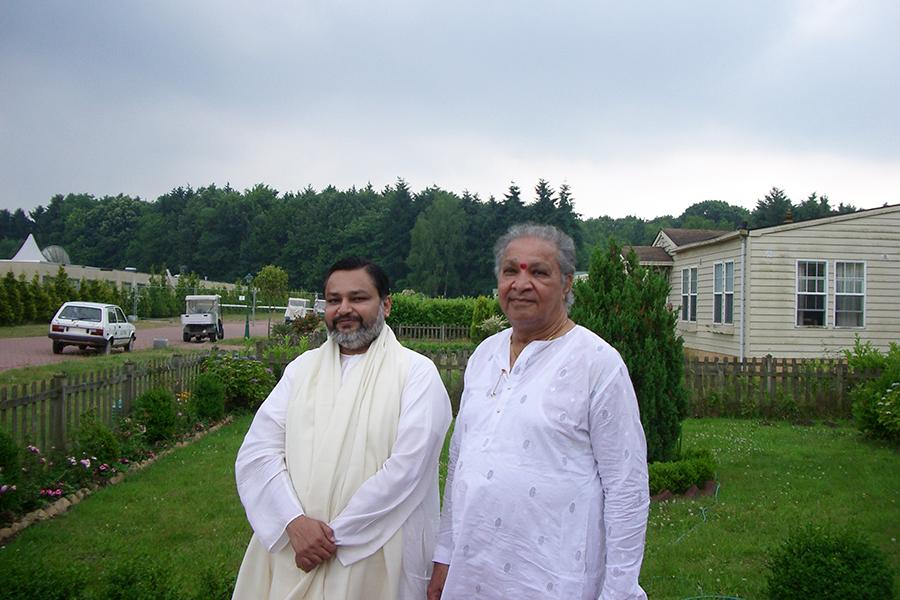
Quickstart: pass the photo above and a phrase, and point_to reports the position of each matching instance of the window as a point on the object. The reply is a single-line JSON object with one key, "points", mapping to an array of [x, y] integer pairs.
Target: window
{"points": [[723, 292], [849, 294], [689, 294], [811, 293]]}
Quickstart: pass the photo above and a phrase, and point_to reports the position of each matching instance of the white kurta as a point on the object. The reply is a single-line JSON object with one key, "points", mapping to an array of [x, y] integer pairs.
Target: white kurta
{"points": [[547, 492], [407, 483]]}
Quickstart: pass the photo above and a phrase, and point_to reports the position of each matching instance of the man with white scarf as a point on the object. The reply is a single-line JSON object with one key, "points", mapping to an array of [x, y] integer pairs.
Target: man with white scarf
{"points": [[338, 472]]}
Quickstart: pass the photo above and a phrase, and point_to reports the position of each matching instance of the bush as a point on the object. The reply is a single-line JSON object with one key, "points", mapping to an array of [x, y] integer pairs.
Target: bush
{"points": [[626, 304], [10, 476], [420, 310], [208, 398], [825, 565], [156, 411], [694, 468], [484, 308], [97, 440], [247, 381], [876, 401]]}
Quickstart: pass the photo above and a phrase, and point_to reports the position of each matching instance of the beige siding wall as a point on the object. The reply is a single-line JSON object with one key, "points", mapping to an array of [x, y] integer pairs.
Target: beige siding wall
{"points": [[704, 336], [772, 262]]}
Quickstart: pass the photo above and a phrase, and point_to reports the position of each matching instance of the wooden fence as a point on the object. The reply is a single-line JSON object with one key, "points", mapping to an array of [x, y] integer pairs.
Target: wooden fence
{"points": [[771, 387], [47, 413], [440, 333]]}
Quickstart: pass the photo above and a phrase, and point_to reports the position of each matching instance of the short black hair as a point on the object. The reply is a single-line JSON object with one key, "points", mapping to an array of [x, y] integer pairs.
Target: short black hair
{"points": [[352, 263]]}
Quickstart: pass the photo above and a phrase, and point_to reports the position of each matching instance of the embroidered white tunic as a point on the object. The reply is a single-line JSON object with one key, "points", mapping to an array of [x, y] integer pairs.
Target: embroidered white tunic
{"points": [[547, 491], [406, 483]]}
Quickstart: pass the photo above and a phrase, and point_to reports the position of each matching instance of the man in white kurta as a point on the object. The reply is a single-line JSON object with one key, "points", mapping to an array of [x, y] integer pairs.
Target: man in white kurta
{"points": [[547, 489], [390, 519]]}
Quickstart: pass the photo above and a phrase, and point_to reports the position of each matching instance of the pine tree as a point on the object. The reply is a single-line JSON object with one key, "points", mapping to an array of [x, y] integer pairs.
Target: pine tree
{"points": [[626, 305], [29, 314], [13, 300]]}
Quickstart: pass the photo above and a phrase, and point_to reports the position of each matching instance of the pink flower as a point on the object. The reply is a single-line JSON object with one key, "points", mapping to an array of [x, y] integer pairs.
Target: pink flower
{"points": [[85, 462], [123, 460], [104, 467], [33, 449]]}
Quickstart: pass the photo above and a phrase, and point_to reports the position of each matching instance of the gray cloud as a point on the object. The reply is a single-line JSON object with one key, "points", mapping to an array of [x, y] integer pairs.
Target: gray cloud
{"points": [[141, 97]]}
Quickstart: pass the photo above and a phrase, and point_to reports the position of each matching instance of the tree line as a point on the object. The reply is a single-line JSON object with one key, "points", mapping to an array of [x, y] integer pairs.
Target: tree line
{"points": [[434, 241]]}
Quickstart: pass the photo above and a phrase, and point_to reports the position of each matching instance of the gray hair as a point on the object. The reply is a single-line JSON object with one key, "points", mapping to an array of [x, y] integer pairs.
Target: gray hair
{"points": [[565, 248]]}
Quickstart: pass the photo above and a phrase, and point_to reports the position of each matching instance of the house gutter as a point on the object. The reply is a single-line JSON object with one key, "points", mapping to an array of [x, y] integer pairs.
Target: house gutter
{"points": [[744, 233]]}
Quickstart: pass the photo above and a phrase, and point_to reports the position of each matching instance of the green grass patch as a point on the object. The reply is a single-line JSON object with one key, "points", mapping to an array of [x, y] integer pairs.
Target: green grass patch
{"points": [[89, 363], [184, 510]]}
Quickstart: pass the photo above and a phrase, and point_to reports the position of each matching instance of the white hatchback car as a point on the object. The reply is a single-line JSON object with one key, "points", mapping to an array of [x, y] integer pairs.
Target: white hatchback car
{"points": [[91, 324]]}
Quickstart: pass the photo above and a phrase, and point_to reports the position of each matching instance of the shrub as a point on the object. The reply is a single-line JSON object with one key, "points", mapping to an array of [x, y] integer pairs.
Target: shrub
{"points": [[208, 398], [247, 381], [155, 410], [822, 564], [96, 439], [626, 304], [420, 310], [875, 401], [10, 476], [490, 326], [481, 311], [694, 468]]}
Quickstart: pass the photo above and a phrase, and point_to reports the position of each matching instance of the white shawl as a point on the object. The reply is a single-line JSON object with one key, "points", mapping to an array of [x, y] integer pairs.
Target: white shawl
{"points": [[338, 434]]}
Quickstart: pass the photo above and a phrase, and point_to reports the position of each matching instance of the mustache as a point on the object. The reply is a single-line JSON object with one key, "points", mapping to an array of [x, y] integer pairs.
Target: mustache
{"points": [[348, 318]]}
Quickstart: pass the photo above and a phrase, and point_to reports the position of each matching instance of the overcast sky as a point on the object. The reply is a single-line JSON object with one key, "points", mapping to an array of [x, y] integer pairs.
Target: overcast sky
{"points": [[643, 108]]}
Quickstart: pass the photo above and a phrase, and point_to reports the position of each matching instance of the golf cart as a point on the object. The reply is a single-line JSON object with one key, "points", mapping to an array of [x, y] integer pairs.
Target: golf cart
{"points": [[202, 318], [297, 308]]}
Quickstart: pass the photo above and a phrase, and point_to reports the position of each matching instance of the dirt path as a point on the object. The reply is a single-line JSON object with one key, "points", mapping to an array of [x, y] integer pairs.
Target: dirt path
{"points": [[33, 351]]}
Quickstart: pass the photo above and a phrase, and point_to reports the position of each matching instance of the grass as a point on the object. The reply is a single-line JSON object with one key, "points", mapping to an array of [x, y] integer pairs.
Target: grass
{"points": [[184, 511], [88, 363]]}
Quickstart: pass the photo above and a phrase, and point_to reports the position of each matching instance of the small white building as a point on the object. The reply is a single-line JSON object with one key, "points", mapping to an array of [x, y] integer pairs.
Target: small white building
{"points": [[796, 290]]}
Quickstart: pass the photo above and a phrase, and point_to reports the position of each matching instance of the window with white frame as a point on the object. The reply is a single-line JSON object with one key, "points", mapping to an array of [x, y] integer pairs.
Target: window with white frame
{"points": [[811, 293], [723, 293], [689, 294], [849, 294]]}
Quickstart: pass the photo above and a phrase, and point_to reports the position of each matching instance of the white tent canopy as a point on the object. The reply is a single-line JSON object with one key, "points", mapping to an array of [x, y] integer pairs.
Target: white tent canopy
{"points": [[29, 252]]}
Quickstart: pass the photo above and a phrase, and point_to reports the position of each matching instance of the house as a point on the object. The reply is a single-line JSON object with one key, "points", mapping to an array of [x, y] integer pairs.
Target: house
{"points": [[795, 290]]}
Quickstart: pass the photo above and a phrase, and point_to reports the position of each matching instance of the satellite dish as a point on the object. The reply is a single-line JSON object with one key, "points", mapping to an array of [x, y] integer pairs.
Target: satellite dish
{"points": [[56, 254]]}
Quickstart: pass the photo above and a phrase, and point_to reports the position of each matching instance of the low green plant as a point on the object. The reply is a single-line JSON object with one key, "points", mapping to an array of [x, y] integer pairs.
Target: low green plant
{"points": [[695, 467], [874, 400], [815, 562], [155, 409], [438, 347], [247, 381], [489, 326], [208, 398], [10, 475], [97, 440]]}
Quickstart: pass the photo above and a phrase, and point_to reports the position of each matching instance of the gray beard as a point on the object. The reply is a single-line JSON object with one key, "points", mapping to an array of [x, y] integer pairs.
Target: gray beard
{"points": [[361, 337]]}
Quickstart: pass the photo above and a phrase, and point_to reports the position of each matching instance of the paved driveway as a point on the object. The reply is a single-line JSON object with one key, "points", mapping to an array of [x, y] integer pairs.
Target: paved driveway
{"points": [[33, 351]]}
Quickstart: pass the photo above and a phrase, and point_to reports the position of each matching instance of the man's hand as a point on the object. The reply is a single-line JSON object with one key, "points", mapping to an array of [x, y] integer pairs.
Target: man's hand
{"points": [[312, 541], [438, 577]]}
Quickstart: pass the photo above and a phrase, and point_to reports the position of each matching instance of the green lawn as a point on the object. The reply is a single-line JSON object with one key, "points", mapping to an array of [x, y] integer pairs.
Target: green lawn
{"points": [[184, 512]]}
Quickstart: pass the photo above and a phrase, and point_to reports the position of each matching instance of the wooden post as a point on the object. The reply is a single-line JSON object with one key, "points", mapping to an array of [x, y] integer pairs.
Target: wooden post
{"points": [[58, 412], [260, 348], [128, 388]]}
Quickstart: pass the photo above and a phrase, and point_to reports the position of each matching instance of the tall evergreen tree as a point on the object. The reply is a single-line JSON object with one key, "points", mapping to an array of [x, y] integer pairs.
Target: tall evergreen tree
{"points": [[626, 305], [543, 210], [513, 206], [436, 252], [771, 210]]}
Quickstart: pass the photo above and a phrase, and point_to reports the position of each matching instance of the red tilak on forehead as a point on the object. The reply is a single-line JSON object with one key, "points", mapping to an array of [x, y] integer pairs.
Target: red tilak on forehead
{"points": [[523, 266]]}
